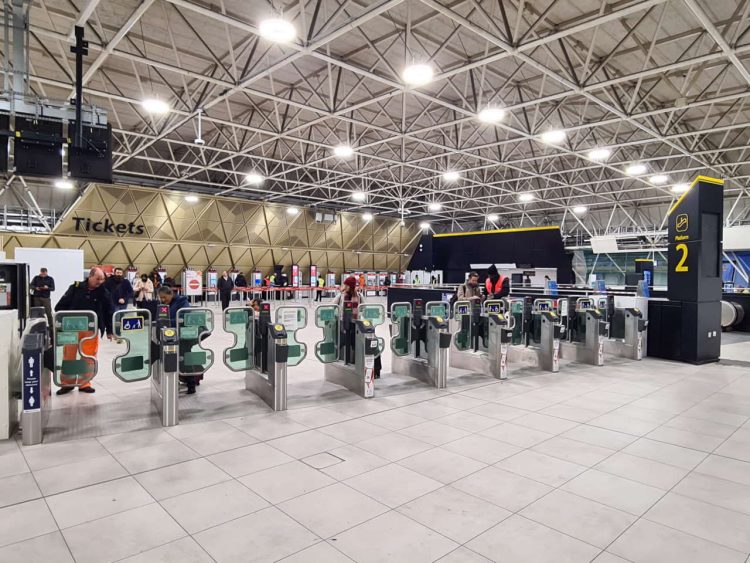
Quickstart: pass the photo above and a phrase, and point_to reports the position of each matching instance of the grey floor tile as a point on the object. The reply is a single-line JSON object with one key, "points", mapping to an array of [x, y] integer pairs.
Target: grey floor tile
{"points": [[519, 540], [545, 423], [321, 552], [615, 491], [18, 488], [497, 411], [455, 514], [228, 438], [153, 457], [520, 436], [45, 455], [269, 426], [393, 485], [94, 502], [24, 521], [434, 432], [649, 542], [49, 548], [13, 463], [125, 441], [394, 446], [573, 451], [685, 438], [353, 431], [719, 525], [317, 417], [459, 401], [701, 426], [605, 557], [79, 474], [204, 508], [600, 437], [467, 420], [585, 519], [572, 412], [646, 471], [725, 468], [305, 444], [737, 446], [463, 555], [393, 420], [670, 454], [344, 509], [400, 539], [354, 462], [713, 490], [184, 550], [429, 410], [442, 465], [505, 489], [249, 459], [274, 536], [540, 467], [481, 448], [181, 478], [287, 481], [624, 423], [321, 460], [122, 535]]}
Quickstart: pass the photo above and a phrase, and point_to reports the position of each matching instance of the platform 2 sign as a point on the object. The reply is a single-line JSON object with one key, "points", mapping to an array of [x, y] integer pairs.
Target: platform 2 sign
{"points": [[695, 242], [32, 386]]}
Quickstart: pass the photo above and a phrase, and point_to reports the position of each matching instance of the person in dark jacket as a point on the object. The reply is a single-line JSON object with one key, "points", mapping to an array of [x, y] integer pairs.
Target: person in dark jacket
{"points": [[225, 286], [43, 285], [120, 289], [88, 295], [177, 301], [240, 280], [497, 286]]}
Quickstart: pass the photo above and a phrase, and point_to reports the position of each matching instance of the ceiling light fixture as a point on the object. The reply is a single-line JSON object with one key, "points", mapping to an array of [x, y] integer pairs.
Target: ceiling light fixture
{"points": [[367, 216], [155, 106], [424, 226], [578, 209], [491, 114], [292, 210], [343, 151], [451, 176], [599, 154], [64, 184], [418, 74], [435, 206], [191, 198], [526, 198], [359, 196], [659, 179], [254, 178], [493, 217], [680, 188], [277, 30], [636, 169], [554, 137]]}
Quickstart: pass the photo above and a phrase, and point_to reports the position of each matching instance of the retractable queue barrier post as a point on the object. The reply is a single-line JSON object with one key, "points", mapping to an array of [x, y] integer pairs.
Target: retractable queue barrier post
{"points": [[164, 376], [36, 379]]}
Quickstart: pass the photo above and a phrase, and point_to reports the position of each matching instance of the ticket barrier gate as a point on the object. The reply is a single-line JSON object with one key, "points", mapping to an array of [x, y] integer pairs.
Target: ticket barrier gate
{"points": [[536, 334], [627, 334], [194, 325], [420, 340], [587, 332], [262, 349], [164, 371], [348, 348], [483, 339], [36, 377]]}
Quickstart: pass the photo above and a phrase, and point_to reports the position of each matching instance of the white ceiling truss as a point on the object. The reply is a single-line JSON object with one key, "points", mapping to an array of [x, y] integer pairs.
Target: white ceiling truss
{"points": [[659, 82]]}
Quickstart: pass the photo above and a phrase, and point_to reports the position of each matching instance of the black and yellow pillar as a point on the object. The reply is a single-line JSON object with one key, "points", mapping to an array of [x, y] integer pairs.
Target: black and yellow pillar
{"points": [[688, 327]]}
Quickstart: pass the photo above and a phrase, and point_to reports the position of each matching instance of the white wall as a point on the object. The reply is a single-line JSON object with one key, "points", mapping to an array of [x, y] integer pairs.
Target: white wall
{"points": [[64, 265]]}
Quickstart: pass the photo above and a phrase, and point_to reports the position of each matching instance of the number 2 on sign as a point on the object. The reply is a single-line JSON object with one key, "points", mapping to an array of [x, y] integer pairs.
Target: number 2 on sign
{"points": [[681, 267]]}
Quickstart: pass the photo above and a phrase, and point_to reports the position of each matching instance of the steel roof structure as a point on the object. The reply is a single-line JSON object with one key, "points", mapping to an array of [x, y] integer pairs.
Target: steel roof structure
{"points": [[657, 82]]}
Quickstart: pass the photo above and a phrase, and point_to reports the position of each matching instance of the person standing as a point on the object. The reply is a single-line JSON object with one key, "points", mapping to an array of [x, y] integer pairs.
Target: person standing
{"points": [[350, 293], [321, 282], [120, 289], [225, 285], [89, 295], [470, 291], [144, 290], [43, 285], [175, 302], [497, 285]]}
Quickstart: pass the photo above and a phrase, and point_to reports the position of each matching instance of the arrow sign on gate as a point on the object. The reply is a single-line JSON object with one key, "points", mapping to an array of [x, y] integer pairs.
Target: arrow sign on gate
{"points": [[31, 362]]}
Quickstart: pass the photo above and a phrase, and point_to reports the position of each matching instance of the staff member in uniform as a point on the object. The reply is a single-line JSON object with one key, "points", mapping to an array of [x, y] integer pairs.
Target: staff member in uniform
{"points": [[497, 286], [42, 286], [88, 295], [225, 286]]}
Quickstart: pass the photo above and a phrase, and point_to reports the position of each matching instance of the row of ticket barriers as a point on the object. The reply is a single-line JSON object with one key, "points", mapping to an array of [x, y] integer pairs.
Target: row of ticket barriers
{"points": [[489, 338]]}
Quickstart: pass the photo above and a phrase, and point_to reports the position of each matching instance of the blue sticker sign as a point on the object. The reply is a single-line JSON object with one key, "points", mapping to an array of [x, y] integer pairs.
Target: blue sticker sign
{"points": [[32, 387], [132, 323]]}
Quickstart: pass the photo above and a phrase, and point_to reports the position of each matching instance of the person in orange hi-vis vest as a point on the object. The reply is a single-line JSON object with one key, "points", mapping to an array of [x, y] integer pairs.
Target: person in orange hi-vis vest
{"points": [[88, 295]]}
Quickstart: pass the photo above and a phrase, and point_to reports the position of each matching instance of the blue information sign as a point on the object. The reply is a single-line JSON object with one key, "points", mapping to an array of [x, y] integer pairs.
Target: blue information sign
{"points": [[32, 388]]}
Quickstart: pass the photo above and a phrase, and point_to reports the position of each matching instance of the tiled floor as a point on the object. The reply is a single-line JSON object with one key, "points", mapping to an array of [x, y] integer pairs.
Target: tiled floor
{"points": [[635, 462]]}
